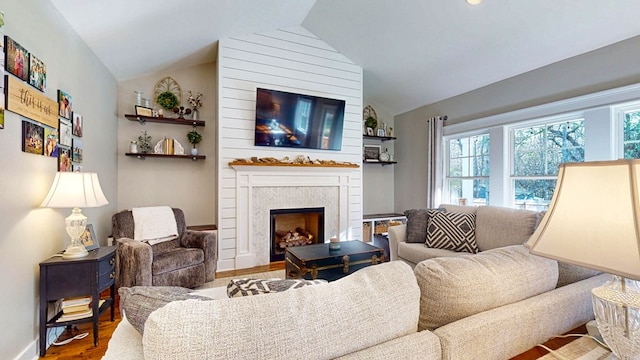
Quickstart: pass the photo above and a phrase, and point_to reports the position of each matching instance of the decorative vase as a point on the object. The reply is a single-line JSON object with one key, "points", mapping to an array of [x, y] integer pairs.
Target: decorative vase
{"points": [[194, 151], [195, 114]]}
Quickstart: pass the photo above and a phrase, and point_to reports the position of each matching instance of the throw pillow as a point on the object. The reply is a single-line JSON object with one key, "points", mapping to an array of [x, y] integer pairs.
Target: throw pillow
{"points": [[417, 222], [452, 231], [139, 301], [249, 287]]}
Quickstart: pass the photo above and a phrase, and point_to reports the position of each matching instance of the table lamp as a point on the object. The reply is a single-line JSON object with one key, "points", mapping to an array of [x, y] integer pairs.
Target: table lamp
{"points": [[75, 190], [594, 221]]}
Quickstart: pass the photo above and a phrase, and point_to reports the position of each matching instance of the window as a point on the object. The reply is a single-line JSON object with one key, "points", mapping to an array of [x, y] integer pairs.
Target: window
{"points": [[631, 134], [537, 153], [467, 174]]}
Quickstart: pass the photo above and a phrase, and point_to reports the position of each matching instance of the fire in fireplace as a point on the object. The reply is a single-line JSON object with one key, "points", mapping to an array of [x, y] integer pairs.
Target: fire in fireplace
{"points": [[295, 227]]}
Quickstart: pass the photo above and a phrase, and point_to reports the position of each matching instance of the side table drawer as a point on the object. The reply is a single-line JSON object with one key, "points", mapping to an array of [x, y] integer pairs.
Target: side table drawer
{"points": [[106, 271]]}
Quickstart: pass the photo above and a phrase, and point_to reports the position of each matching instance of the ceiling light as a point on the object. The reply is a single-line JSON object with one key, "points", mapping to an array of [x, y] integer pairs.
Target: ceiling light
{"points": [[474, 2]]}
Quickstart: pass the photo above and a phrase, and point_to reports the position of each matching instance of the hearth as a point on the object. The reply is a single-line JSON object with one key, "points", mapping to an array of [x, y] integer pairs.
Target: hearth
{"points": [[295, 227]]}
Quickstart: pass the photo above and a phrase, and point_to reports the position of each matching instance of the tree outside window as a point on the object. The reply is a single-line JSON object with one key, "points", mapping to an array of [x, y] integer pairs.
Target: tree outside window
{"points": [[537, 153], [468, 170]]}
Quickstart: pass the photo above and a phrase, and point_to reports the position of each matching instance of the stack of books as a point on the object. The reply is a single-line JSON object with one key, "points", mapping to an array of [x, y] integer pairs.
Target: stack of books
{"points": [[76, 308]]}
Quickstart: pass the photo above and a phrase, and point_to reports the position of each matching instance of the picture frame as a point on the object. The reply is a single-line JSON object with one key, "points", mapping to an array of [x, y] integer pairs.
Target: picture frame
{"points": [[50, 142], [76, 151], [32, 138], [77, 125], [37, 73], [88, 238], [143, 111], [16, 59], [64, 160], [369, 131], [381, 133], [64, 130], [371, 153], [65, 104]]}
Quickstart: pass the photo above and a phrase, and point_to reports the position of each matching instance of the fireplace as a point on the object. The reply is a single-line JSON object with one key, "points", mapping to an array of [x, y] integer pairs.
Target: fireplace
{"points": [[295, 227]]}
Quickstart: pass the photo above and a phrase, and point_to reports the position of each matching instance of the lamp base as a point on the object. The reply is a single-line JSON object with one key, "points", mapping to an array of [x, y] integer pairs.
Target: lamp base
{"points": [[75, 251], [616, 305]]}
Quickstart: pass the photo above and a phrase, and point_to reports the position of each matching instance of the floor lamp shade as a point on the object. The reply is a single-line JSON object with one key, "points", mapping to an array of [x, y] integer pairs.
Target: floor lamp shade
{"points": [[594, 221], [75, 190]]}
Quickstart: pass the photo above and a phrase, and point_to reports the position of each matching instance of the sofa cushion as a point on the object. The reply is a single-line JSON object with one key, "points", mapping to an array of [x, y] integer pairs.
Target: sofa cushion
{"points": [[414, 253], [417, 222], [569, 273], [456, 287], [499, 226], [138, 302], [321, 322], [249, 287], [453, 231]]}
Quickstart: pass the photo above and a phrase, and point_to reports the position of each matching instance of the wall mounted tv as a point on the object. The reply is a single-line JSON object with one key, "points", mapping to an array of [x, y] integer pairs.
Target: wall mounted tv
{"points": [[286, 119]]}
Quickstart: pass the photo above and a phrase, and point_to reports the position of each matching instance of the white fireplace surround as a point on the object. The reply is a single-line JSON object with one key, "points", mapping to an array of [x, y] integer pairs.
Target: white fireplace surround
{"points": [[263, 188]]}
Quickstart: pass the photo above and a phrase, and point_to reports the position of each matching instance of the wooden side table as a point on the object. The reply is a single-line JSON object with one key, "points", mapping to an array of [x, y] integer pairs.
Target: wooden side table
{"points": [[61, 278]]}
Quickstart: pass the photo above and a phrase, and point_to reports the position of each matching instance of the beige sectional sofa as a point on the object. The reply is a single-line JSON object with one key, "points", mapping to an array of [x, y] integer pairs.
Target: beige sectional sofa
{"points": [[491, 305]]}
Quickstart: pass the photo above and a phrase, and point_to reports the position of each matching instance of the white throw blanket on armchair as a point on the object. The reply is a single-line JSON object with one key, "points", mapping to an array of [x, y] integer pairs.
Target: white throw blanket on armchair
{"points": [[154, 224]]}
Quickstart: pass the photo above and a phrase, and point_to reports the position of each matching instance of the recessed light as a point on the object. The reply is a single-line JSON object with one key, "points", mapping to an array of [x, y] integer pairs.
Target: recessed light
{"points": [[474, 2]]}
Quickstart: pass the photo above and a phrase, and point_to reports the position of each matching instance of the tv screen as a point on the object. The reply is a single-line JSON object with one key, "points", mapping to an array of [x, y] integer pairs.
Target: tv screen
{"points": [[286, 119]]}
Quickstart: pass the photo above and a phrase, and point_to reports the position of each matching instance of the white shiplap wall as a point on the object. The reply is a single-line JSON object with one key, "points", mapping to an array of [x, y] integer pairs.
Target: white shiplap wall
{"points": [[292, 60]]}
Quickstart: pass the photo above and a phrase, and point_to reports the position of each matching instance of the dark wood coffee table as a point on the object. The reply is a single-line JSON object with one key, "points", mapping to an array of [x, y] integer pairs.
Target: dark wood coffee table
{"points": [[319, 262]]}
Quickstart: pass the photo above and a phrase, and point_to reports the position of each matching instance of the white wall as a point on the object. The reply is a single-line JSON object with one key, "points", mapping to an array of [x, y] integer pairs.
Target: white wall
{"points": [[186, 184], [28, 234], [291, 60]]}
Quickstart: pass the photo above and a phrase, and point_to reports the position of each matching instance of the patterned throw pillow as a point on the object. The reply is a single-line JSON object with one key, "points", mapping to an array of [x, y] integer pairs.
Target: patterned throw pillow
{"points": [[139, 301], [452, 231], [417, 222], [249, 287]]}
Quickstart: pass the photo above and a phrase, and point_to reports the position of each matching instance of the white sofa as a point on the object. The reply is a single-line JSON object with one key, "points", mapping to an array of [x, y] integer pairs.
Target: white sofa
{"points": [[371, 314]]}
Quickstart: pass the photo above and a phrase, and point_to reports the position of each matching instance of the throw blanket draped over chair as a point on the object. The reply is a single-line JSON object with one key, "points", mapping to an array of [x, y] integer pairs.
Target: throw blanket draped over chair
{"points": [[187, 259]]}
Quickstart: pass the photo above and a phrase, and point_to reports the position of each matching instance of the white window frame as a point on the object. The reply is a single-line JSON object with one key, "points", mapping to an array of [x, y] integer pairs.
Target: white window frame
{"points": [[447, 164]]}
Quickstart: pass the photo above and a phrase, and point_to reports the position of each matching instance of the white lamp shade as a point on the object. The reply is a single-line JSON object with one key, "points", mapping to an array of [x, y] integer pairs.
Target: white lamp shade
{"points": [[75, 189], [594, 218]]}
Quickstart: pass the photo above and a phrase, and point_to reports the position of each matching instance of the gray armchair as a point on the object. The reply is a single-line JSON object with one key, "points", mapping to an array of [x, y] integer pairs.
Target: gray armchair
{"points": [[188, 261]]}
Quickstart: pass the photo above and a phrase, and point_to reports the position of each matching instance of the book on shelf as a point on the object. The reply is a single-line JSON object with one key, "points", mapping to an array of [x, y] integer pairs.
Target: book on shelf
{"points": [[84, 311], [75, 301]]}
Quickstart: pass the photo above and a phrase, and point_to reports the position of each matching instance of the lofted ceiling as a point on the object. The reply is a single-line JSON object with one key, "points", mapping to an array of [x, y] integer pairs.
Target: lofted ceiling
{"points": [[413, 52]]}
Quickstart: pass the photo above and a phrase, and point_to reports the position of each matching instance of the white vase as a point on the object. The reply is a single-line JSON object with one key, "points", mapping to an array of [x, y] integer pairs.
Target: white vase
{"points": [[194, 151], [195, 115]]}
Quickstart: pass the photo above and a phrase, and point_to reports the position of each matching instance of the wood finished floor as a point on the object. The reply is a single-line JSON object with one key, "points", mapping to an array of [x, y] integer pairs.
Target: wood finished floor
{"points": [[83, 349]]}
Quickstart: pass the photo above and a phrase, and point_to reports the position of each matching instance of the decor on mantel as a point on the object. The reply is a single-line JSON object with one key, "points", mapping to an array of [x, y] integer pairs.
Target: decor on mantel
{"points": [[196, 102], [194, 138], [300, 160]]}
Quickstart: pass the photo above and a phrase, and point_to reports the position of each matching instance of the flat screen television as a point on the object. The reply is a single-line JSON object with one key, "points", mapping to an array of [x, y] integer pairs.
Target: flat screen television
{"points": [[286, 119]]}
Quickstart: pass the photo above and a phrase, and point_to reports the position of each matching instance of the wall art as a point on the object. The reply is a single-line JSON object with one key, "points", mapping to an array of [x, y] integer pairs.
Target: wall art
{"points": [[77, 149], [65, 104], [37, 73], [77, 124], [24, 100], [32, 138], [16, 59], [50, 142], [65, 132], [64, 159]]}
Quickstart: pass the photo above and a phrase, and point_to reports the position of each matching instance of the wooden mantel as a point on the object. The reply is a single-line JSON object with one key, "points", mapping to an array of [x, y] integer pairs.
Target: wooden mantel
{"points": [[328, 164]]}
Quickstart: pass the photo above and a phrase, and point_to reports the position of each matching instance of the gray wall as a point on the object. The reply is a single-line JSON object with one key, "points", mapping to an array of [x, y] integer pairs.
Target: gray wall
{"points": [[29, 234], [606, 68]]}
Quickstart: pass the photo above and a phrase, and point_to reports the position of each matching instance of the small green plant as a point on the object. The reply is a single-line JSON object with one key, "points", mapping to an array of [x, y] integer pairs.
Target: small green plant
{"points": [[194, 137], [144, 142]]}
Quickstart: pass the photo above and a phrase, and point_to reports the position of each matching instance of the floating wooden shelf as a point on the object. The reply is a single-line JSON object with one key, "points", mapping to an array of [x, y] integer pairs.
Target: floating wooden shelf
{"points": [[142, 156], [381, 138], [165, 120], [383, 163]]}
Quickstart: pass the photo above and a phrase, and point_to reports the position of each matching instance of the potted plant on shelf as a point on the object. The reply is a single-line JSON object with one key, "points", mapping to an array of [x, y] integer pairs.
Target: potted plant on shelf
{"points": [[194, 138]]}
